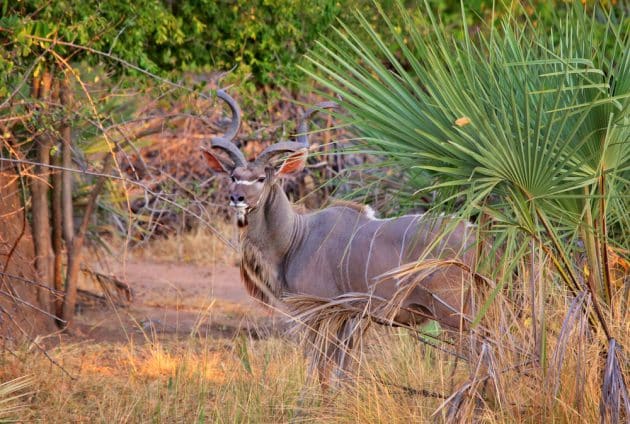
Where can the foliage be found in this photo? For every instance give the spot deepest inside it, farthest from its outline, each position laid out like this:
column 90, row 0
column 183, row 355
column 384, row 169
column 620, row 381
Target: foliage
column 72, row 70
column 201, row 379
column 263, row 38
column 260, row 37
column 523, row 126
column 130, row 31
column 529, row 116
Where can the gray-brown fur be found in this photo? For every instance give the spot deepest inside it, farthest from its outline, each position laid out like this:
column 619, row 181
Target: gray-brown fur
column 260, row 278
column 359, row 207
column 341, row 251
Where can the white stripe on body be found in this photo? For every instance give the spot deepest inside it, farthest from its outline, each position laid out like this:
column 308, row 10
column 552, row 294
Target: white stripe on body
column 367, row 262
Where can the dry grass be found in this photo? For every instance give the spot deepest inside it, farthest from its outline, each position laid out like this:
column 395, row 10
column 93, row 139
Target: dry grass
column 556, row 378
column 199, row 247
column 242, row 380
column 186, row 381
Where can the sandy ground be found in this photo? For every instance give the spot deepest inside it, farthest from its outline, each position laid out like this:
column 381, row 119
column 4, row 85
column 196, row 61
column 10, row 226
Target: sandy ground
column 178, row 300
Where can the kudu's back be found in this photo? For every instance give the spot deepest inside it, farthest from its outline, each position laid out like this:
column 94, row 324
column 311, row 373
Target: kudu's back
column 343, row 251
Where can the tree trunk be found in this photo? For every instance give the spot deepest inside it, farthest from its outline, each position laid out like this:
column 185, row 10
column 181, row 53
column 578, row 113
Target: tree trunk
column 76, row 250
column 16, row 262
column 39, row 190
column 62, row 198
column 57, row 243
column 65, row 95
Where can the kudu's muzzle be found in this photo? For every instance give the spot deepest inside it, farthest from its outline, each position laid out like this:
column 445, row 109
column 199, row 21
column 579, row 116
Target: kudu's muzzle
column 237, row 201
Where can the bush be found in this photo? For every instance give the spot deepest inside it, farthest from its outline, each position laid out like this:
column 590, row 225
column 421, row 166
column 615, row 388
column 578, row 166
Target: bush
column 261, row 37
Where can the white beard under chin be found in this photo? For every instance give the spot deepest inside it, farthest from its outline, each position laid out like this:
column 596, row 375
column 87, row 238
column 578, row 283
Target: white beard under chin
column 241, row 217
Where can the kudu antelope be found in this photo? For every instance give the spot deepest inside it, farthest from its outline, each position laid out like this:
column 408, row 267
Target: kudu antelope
column 339, row 250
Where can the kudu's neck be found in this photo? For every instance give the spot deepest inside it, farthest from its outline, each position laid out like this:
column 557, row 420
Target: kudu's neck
column 273, row 226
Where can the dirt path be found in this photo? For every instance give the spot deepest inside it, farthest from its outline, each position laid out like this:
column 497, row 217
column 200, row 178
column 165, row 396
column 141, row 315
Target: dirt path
column 178, row 300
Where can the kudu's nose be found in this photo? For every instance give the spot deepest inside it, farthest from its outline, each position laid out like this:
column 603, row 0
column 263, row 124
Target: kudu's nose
column 237, row 198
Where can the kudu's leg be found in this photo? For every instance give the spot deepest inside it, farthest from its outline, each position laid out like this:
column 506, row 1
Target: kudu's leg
column 344, row 359
column 338, row 360
column 331, row 361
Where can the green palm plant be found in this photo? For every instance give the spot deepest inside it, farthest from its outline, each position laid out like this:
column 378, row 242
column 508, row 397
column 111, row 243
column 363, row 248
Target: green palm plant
column 530, row 125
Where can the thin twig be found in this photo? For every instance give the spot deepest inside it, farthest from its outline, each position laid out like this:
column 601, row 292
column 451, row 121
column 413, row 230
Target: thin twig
column 37, row 345
column 111, row 57
column 32, row 282
column 26, row 75
column 30, row 305
column 216, row 232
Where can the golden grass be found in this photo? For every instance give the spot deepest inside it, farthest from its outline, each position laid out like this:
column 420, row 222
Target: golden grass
column 190, row 380
column 199, row 247
column 243, row 380
column 11, row 393
column 557, row 378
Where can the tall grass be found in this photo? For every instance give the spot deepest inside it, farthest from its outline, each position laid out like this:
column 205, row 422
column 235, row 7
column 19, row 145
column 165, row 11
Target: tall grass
column 399, row 379
column 197, row 246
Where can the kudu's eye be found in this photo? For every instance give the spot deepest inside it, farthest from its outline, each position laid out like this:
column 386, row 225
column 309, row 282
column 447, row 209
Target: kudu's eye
column 261, row 179
column 233, row 178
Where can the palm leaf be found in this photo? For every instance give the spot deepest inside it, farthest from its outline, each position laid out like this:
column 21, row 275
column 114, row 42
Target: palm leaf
column 546, row 111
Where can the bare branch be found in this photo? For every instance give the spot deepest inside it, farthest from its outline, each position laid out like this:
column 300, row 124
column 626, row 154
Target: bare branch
column 146, row 188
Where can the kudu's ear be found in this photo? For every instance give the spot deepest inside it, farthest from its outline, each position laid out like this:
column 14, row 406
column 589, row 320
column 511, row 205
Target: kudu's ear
column 295, row 162
column 217, row 163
